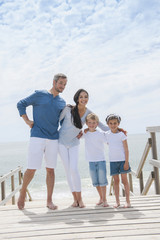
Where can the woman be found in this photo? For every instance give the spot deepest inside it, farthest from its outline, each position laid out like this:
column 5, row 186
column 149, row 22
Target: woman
column 73, row 120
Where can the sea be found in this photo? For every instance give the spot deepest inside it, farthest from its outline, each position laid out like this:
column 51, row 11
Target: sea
column 14, row 154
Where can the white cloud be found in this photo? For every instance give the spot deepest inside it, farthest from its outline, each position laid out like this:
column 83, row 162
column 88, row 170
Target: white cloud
column 111, row 48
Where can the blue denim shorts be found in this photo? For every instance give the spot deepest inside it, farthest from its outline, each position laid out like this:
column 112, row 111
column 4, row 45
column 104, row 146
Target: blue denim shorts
column 118, row 168
column 98, row 173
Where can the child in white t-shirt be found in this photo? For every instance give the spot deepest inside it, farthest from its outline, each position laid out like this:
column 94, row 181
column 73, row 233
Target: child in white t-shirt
column 118, row 157
column 94, row 151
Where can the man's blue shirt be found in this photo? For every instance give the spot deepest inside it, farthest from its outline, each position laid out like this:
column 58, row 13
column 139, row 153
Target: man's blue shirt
column 46, row 112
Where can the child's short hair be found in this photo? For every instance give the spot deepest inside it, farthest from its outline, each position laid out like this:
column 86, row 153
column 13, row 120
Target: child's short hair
column 93, row 117
column 113, row 116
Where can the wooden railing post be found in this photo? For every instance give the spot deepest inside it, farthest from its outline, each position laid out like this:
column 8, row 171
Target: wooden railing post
column 12, row 189
column 3, row 192
column 141, row 183
column 130, row 182
column 4, row 199
column 20, row 177
column 155, row 156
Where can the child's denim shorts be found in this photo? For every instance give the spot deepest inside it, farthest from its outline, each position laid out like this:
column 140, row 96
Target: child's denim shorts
column 118, row 168
column 98, row 173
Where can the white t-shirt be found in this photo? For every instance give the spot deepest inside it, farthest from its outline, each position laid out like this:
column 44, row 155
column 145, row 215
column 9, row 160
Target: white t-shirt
column 68, row 132
column 116, row 149
column 94, row 146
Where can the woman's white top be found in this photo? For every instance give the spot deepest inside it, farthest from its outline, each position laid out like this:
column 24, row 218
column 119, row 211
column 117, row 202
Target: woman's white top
column 116, row 149
column 68, row 132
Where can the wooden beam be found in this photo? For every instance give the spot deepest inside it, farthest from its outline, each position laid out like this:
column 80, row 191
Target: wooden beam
column 8, row 175
column 10, row 196
column 141, row 183
column 144, row 156
column 148, row 183
column 130, row 182
column 3, row 190
column 13, row 188
column 155, row 163
column 133, row 173
column 153, row 129
column 155, row 156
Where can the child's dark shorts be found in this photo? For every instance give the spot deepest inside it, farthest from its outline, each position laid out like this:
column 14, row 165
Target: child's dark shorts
column 118, row 168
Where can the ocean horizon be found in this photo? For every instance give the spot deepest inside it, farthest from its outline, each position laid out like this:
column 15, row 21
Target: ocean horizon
column 14, row 154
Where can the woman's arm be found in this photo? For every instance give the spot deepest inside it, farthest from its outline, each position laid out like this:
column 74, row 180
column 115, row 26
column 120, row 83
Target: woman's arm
column 103, row 127
column 63, row 113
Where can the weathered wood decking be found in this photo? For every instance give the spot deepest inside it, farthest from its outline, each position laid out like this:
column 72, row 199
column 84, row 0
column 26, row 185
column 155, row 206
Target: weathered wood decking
column 36, row 222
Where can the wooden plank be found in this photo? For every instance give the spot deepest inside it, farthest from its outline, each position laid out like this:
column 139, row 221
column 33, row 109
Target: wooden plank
column 3, row 190
column 140, row 223
column 148, row 183
column 61, row 228
column 155, row 163
column 13, row 188
column 133, row 173
column 3, row 202
column 141, row 183
column 155, row 156
column 8, row 175
column 119, row 215
column 85, row 233
column 153, row 129
column 40, row 206
column 144, row 157
column 89, row 202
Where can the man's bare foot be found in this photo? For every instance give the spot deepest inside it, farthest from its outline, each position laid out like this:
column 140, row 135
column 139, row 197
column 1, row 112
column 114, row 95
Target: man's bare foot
column 100, row 202
column 117, row 205
column 21, row 203
column 105, row 204
column 81, row 204
column 75, row 204
column 127, row 205
column 51, row 206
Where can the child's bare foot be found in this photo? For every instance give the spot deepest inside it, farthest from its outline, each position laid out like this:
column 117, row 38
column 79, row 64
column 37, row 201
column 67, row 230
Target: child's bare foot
column 105, row 204
column 127, row 205
column 81, row 204
column 52, row 206
column 117, row 205
column 75, row 204
column 100, row 202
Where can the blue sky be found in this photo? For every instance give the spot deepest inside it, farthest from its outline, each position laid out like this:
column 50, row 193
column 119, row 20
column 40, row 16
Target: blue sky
column 110, row 48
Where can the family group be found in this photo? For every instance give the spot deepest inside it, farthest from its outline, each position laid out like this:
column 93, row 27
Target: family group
column 47, row 139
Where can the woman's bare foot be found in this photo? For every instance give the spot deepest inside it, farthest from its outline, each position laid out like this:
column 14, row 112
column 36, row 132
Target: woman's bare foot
column 105, row 204
column 81, row 204
column 127, row 205
column 100, row 202
column 117, row 205
column 75, row 204
column 52, row 206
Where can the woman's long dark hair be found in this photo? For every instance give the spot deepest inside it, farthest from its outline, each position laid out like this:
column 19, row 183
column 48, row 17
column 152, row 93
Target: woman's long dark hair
column 74, row 110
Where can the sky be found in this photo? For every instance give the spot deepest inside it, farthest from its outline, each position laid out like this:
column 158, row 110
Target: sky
column 111, row 48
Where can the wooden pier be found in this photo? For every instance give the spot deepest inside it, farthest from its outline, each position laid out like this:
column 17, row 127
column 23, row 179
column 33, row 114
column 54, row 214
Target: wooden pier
column 36, row 222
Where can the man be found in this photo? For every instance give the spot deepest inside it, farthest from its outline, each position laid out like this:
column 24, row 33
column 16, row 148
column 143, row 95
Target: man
column 47, row 106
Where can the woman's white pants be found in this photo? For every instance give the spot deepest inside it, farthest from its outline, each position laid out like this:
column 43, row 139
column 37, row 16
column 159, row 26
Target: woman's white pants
column 69, row 156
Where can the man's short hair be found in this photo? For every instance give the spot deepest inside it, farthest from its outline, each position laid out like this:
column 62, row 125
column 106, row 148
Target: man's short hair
column 59, row 75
